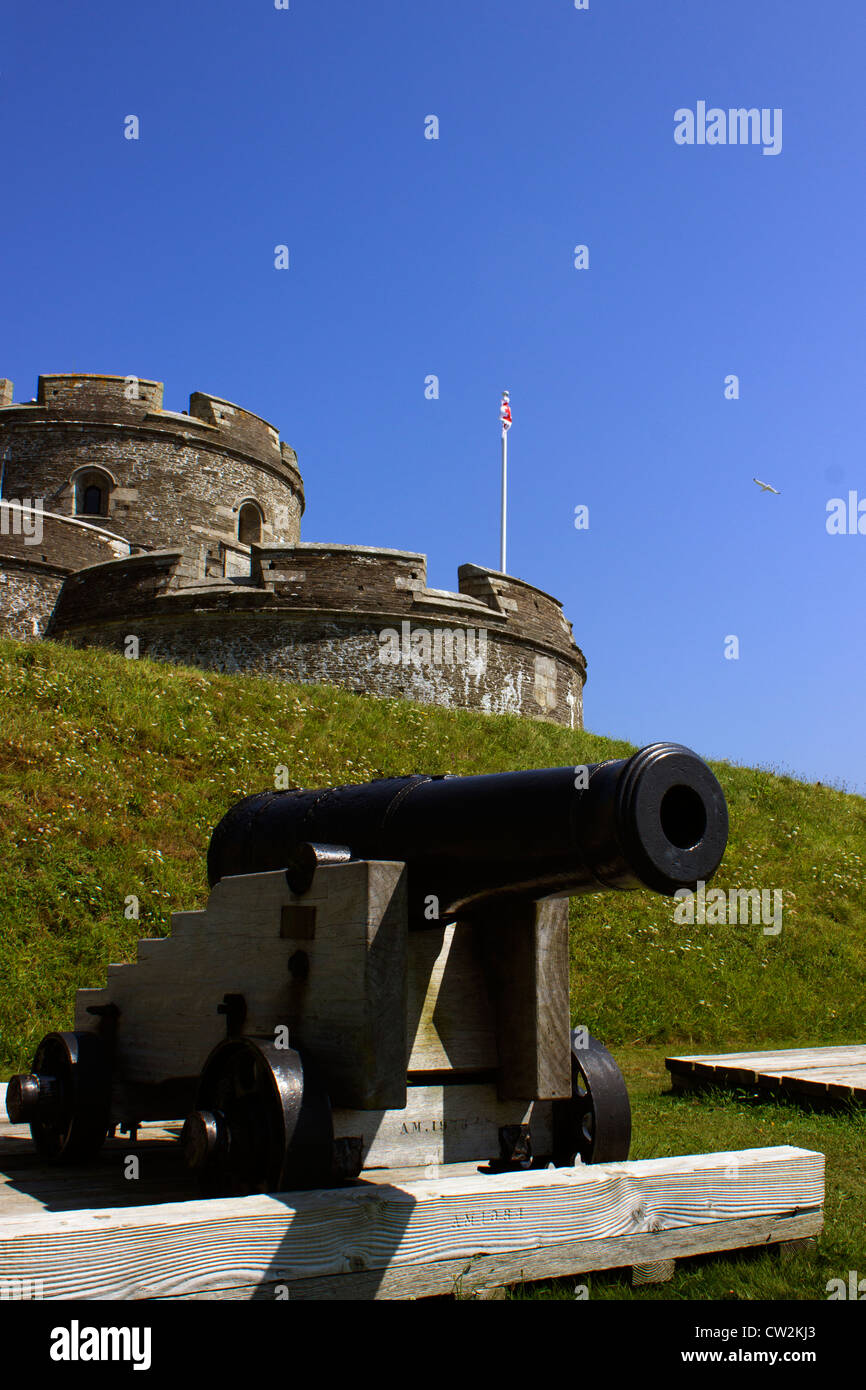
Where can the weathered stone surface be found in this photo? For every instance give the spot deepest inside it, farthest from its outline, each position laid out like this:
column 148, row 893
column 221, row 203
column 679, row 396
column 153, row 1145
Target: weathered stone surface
column 28, row 593
column 37, row 552
column 344, row 650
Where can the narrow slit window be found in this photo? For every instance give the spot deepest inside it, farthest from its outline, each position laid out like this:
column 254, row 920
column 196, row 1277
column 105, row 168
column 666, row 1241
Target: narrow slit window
column 92, row 500
column 92, row 493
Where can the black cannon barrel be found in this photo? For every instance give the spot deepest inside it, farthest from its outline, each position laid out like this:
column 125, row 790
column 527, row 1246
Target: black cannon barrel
column 657, row 819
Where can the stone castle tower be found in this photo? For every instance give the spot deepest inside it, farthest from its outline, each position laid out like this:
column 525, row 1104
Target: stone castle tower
column 120, row 519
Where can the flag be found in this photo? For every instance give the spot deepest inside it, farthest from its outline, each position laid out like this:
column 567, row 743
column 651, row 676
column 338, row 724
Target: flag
column 505, row 412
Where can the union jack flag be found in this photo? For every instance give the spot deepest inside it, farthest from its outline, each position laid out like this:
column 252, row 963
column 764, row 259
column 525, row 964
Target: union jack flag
column 505, row 412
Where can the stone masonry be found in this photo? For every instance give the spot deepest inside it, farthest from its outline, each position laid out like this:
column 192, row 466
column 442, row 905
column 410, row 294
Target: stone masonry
column 183, row 531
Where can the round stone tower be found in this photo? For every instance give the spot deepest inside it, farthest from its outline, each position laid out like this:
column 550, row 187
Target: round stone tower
column 102, row 450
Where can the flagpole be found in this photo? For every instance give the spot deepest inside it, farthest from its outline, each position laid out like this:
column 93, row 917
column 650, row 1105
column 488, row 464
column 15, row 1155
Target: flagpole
column 504, row 499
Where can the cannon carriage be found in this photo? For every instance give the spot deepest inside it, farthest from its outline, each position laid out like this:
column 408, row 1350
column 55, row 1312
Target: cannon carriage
column 380, row 979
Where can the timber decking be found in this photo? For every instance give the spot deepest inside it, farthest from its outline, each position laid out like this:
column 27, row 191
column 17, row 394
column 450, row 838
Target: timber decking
column 829, row 1074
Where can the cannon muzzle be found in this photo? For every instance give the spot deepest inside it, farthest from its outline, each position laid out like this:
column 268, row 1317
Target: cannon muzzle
column 657, row 820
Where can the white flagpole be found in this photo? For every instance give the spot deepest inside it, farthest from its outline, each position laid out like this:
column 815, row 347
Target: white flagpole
column 505, row 413
column 504, row 497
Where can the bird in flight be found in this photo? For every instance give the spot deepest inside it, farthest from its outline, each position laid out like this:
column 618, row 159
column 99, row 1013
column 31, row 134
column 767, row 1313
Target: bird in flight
column 765, row 487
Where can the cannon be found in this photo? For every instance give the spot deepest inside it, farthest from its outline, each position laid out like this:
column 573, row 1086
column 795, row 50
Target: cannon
column 380, row 979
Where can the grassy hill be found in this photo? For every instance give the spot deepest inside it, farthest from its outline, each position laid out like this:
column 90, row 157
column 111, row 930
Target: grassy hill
column 113, row 772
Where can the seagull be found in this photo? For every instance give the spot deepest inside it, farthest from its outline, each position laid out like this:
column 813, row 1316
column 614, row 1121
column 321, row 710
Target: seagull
column 765, row 487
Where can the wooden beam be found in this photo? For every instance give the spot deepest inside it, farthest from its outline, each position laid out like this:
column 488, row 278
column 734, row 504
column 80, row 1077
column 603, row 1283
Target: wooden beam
column 450, row 1019
column 339, row 986
column 444, row 1125
column 526, row 956
column 422, row 1231
column 470, row 1278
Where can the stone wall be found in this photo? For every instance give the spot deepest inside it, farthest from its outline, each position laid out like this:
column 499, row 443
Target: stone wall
column 350, row 616
column 28, row 593
column 37, row 552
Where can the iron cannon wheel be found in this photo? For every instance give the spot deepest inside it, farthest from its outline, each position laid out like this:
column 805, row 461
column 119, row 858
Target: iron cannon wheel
column 66, row 1096
column 262, row 1121
column 595, row 1125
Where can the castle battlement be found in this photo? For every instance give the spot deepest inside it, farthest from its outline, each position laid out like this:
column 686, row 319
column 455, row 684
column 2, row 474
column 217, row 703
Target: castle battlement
column 135, row 403
column 90, row 392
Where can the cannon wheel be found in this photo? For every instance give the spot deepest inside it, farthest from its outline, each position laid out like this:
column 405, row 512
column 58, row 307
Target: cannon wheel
column 595, row 1125
column 65, row 1098
column 262, row 1121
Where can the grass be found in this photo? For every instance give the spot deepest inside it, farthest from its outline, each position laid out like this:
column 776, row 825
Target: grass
column 113, row 773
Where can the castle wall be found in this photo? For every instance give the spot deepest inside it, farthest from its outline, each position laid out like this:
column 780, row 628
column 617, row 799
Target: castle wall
column 355, row 617
column 28, row 593
column 176, row 479
column 336, row 649
column 339, row 575
column 37, row 552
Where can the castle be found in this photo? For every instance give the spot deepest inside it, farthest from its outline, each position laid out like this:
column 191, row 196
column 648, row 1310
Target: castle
column 177, row 536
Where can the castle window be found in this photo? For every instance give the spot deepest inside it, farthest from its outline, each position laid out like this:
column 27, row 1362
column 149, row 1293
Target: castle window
column 250, row 524
column 92, row 492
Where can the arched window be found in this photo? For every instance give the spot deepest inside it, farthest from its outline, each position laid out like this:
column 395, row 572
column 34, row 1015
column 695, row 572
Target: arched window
column 250, row 524
column 92, row 492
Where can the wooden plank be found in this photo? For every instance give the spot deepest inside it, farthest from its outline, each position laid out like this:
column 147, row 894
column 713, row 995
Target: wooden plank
column 658, row 1272
column 816, row 1074
column 450, row 1018
column 468, row 1278
column 177, row 1249
column 821, row 1072
column 786, row 1057
column 526, row 958
column 30, row 1184
column 347, row 1009
column 851, row 1074
column 812, row 1081
column 444, row 1124
column 415, row 1174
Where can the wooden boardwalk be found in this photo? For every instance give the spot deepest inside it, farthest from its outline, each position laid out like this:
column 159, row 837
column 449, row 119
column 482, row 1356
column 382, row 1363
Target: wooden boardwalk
column 116, row 1230
column 822, row 1074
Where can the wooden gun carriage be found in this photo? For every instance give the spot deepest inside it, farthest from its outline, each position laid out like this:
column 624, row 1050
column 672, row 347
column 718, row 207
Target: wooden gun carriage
column 380, row 979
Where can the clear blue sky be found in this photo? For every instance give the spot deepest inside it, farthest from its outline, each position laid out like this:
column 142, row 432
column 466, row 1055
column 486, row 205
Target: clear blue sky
column 411, row 257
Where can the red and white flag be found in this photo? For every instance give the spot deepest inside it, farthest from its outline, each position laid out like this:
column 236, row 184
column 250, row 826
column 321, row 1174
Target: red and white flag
column 505, row 412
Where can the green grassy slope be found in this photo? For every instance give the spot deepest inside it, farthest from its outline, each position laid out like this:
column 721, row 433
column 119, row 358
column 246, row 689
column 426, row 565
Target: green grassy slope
column 113, row 772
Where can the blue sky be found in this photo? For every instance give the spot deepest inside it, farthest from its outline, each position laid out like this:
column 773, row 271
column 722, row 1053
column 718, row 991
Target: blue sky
column 454, row 257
